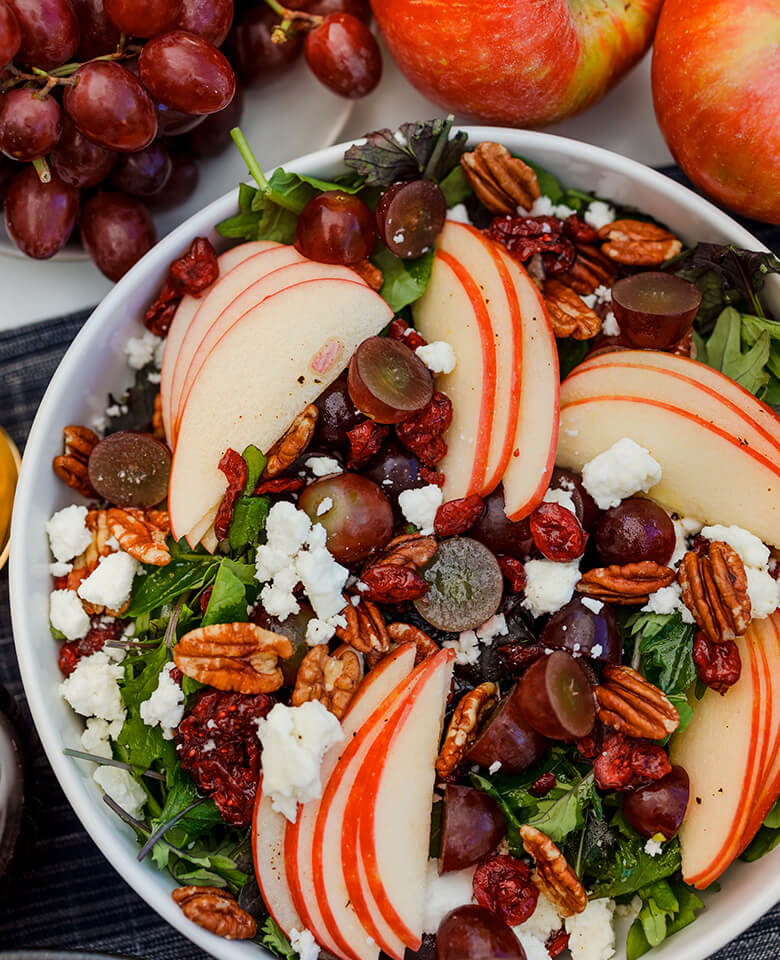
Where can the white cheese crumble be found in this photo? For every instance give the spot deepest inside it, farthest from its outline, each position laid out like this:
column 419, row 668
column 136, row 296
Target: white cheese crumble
column 494, row 767
column 92, row 689
column 617, row 473
column 419, row 506
column 58, row 569
column 549, row 585
column 764, row 592
column 609, row 325
column 542, row 922
column 67, row 615
column 120, row 785
column 668, row 600
column 599, row 214
column 459, row 213
column 294, row 741
column 544, row 207
column 110, row 583
column 95, row 738
column 445, row 892
column 304, row 944
column 322, row 577
column 68, row 534
column 591, row 934
column 324, row 505
column 603, row 294
column 278, row 597
column 320, row 631
column 533, row 947
column 323, row 466
column 438, row 357
column 466, row 648
column 653, row 847
column 750, row 549
column 166, row 705
column 494, row 627
column 142, row 350
column 592, row 605
column 595, row 651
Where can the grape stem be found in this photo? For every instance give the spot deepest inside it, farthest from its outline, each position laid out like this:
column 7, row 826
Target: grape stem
column 254, row 168
column 63, row 75
column 293, row 21
column 42, row 169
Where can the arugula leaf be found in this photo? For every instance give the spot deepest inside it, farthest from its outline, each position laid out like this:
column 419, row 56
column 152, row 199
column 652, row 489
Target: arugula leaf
column 455, row 186
column 767, row 838
column 404, row 280
column 275, row 939
column 549, row 185
column 667, row 906
column 135, row 408
column 570, row 353
column 227, row 603
column 562, row 810
column 192, row 825
column 139, row 687
column 666, row 651
column 255, row 464
column 165, row 584
column 145, row 747
column 629, row 868
column 249, row 516
column 723, row 351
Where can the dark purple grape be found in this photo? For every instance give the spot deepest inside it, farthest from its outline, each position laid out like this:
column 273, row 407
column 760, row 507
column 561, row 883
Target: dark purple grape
column 635, row 530
column 335, row 227
column 394, row 469
column 111, row 107
column 186, row 72
column 30, row 125
column 584, row 505
column 556, row 697
column 77, row 160
column 212, row 137
column 409, row 217
column 472, row 932
column 10, row 34
column 294, row 627
column 472, row 827
column 500, row 534
column 323, row 8
column 40, row 217
column 174, row 123
column 130, row 469
column 181, row 184
column 50, row 31
column 655, row 309
column 507, row 738
column 387, row 381
column 578, row 627
column 8, row 170
column 343, row 54
column 117, row 231
column 465, row 585
column 337, row 415
column 99, row 35
column 210, row 19
column 142, row 18
column 660, row 806
column 145, row 173
column 256, row 59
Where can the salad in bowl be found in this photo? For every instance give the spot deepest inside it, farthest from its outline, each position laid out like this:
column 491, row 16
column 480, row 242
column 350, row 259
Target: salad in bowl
column 419, row 597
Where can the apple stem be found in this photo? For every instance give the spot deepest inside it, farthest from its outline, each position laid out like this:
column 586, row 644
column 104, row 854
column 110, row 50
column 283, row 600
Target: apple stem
column 254, row 168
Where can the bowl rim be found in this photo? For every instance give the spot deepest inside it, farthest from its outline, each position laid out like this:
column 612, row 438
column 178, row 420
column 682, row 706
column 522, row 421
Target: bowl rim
column 103, row 832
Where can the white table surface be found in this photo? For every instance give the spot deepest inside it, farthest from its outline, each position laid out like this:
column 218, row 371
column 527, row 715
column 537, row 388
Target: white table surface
column 623, row 121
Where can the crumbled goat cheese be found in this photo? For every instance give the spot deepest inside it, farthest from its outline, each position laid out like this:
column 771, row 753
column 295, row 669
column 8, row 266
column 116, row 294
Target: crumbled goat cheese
column 653, row 847
column 603, row 294
column 92, row 688
column 542, row 922
column 544, row 207
column 591, row 934
column 630, row 910
column 277, row 596
column 466, row 648
column 593, row 605
column 58, row 569
column 609, row 325
column 95, row 738
column 764, row 592
column 595, row 651
column 617, row 473
column 599, row 214
column 668, row 600
column 419, row 506
column 459, row 213
column 323, row 466
column 304, row 944
column 495, row 766
column 68, row 534
column 142, row 350
column 324, row 505
column 750, row 549
column 445, row 892
column 549, row 585
column 67, row 615
column 533, row 947
column 166, row 705
column 494, row 627
column 294, row 741
column 438, row 357
column 684, row 527
column 589, row 299
column 120, row 785
column 323, row 578
column 209, row 745
column 286, row 531
column 320, row 631
column 110, row 583
column 561, row 497
column 154, row 377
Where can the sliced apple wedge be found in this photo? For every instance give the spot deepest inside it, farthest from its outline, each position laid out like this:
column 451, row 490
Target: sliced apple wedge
column 268, row 828
column 480, row 257
column 707, row 473
column 277, row 359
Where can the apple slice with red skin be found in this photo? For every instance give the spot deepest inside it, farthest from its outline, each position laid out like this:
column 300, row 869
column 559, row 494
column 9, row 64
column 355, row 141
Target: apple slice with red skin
column 530, row 467
column 452, row 309
column 201, row 528
column 481, row 258
column 183, row 317
column 268, row 829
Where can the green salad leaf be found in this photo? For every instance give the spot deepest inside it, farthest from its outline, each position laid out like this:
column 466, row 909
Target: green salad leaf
column 276, row 940
column 161, row 585
column 227, row 603
column 724, row 351
column 404, row 280
column 667, row 906
column 665, row 650
column 629, row 868
column 455, row 186
column 767, row 838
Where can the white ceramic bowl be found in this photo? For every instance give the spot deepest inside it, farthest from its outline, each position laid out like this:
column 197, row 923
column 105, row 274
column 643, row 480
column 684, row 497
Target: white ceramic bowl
column 95, row 364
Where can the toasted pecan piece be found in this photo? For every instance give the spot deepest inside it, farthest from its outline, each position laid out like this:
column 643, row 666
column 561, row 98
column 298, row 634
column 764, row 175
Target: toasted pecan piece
column 553, row 875
column 464, row 727
column 215, row 910
column 714, row 588
column 501, row 182
column 629, row 703
column 333, row 680
column 627, row 585
column 638, row 244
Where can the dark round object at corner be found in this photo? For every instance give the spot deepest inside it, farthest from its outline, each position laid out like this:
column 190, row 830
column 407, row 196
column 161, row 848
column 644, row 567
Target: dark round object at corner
column 472, row 827
column 212, row 137
column 99, row 35
column 578, row 628
column 49, row 29
column 636, row 529
column 186, row 72
column 256, row 59
column 506, row 737
column 344, row 56
column 12, row 767
column 181, row 184
column 40, row 217
column 142, row 18
column 472, row 932
column 29, row 125
column 130, row 469
column 660, row 806
column 117, row 231
column 584, row 504
column 500, row 534
column 10, row 34
column 145, row 173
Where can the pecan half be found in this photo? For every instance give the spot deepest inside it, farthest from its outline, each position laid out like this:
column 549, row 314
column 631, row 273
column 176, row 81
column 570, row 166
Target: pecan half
column 553, row 875
column 425, row 646
column 292, row 443
column 237, row 657
column 71, row 466
column 365, row 629
column 217, row 911
column 629, row 703
column 714, row 589
column 638, row 244
column 368, row 272
column 630, row 584
column 501, row 182
column 332, row 680
column 86, row 563
column 464, row 727
column 590, row 269
column 569, row 314
column 407, row 550
column 141, row 533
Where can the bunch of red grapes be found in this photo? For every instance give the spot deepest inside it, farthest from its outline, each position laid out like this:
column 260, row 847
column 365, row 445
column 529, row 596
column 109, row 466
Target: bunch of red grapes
column 107, row 105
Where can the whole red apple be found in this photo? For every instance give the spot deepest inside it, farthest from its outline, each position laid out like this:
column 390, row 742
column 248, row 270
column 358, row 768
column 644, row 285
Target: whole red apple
column 716, row 88
column 516, row 62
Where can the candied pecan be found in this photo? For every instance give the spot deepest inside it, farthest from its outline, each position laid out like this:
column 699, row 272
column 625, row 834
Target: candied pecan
column 464, row 727
column 590, row 269
column 195, row 270
column 630, row 584
column 407, row 550
column 71, row 466
column 557, row 533
column 425, row 646
column 501, row 182
column 237, row 657
column 553, row 876
column 524, row 237
column 569, row 315
column 101, row 630
column 158, row 428
column 368, row 272
column 557, row 942
column 399, row 329
column 365, row 629
column 279, row 485
column 332, row 680
column 364, row 441
column 421, row 433
column 542, row 785
column 292, row 443
column 234, row 467
column 514, row 571
column 390, row 583
column 718, row 665
column 456, row 516
column 623, row 762
column 629, row 703
column 217, row 911
column 714, row 589
column 141, row 533
column 504, row 885
column 517, row 657
column 638, row 244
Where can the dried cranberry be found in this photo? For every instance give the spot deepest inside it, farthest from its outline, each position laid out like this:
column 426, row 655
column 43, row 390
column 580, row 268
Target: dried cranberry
column 557, row 942
column 518, row 657
column 719, row 665
column 101, row 630
column 159, row 314
column 625, row 763
column 422, row 433
column 432, row 475
column 456, row 516
column 279, row 485
column 579, row 231
column 197, row 269
column 400, row 330
column 205, row 597
column 514, row 571
column 388, row 583
column 234, row 467
column 526, row 236
column 557, row 533
column 504, row 885
column 542, row 785
column 364, row 441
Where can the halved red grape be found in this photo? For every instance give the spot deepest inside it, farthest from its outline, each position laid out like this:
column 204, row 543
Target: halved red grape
column 635, row 530
column 30, row 125
column 655, row 309
column 257, row 60
column 465, row 586
column 556, row 697
column 50, row 31
column 142, row 18
column 472, row 932
column 472, row 827
column 212, row 136
column 187, row 72
column 387, row 381
column 500, row 534
column 356, row 515
column 508, row 739
column 335, row 227
column 130, row 469
column 210, row 19
column 579, row 628
column 99, row 35
column 410, row 216
column 117, row 231
column 660, row 806
column 10, row 34
column 40, row 217
column 294, row 627
column 343, row 54
column 77, row 160
column 181, row 184
column 144, row 173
